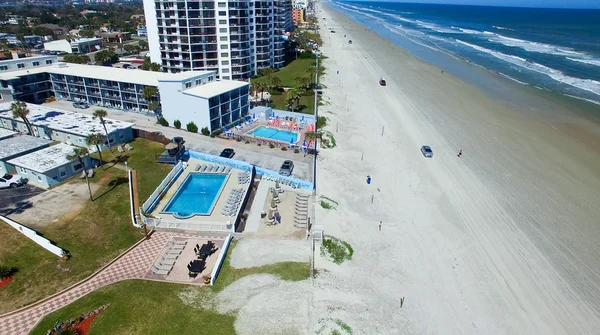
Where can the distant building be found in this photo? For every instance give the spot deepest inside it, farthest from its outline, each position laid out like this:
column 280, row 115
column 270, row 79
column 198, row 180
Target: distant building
column 14, row 19
column 56, row 30
column 301, row 4
column 32, row 40
column 30, row 85
column 142, row 31
column 298, row 16
column 15, row 146
column 78, row 45
column 116, row 37
column 5, row 133
column 10, row 38
column 50, row 166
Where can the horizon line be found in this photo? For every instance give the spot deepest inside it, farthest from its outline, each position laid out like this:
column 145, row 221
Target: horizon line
column 468, row 5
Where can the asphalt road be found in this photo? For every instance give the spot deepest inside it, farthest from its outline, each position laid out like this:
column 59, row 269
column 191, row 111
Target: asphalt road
column 14, row 200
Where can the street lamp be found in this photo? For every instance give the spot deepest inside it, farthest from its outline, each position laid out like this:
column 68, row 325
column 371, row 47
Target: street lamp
column 317, row 55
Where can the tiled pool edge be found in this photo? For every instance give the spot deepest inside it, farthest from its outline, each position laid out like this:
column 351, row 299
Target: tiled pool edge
column 180, row 189
column 297, row 133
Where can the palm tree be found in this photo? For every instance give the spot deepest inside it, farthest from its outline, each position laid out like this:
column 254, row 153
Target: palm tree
column 78, row 154
column 101, row 114
column 311, row 71
column 19, row 110
column 260, row 87
column 149, row 92
column 96, row 140
column 276, row 82
column 292, row 98
column 300, row 81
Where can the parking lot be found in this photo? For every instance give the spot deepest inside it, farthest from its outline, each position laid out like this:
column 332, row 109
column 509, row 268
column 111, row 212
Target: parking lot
column 14, row 200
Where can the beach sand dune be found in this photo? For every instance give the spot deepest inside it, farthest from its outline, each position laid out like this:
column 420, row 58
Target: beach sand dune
column 503, row 240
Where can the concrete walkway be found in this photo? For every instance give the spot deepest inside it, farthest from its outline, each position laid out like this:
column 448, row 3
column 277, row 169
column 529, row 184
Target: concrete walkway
column 131, row 265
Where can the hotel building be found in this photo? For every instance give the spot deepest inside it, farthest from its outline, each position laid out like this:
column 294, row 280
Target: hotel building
column 233, row 38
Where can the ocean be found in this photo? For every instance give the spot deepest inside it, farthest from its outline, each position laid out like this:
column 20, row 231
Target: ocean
column 555, row 50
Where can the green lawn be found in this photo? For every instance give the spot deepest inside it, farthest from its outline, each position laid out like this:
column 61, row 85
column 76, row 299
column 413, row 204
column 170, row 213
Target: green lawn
column 297, row 68
column 147, row 307
column 306, row 105
column 96, row 235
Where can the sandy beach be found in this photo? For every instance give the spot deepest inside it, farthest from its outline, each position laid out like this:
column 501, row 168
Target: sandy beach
column 503, row 240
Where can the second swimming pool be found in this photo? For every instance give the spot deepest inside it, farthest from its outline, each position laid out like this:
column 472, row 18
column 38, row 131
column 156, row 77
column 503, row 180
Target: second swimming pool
column 270, row 133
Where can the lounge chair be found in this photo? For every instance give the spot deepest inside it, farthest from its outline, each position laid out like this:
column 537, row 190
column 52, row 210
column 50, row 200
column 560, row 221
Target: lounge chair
column 173, row 252
column 128, row 147
column 179, row 242
column 228, row 169
column 170, row 257
column 169, row 262
column 83, row 174
column 162, row 267
column 161, row 272
column 120, row 148
column 198, row 167
column 204, row 167
column 90, row 173
column 176, row 247
column 222, row 169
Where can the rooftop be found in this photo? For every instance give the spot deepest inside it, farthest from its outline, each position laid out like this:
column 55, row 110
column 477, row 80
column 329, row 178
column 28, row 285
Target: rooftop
column 140, row 77
column 13, row 146
column 5, row 133
column 64, row 121
column 215, row 88
column 45, row 159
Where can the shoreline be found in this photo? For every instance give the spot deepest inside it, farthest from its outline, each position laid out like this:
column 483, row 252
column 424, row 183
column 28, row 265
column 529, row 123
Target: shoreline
column 501, row 240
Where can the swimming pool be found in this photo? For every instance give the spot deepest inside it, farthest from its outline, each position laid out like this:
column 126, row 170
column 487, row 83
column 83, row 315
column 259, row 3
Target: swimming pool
column 275, row 134
column 196, row 195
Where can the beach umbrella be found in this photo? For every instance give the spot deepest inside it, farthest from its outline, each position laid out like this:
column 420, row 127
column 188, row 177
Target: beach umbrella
column 254, row 115
column 239, row 122
column 302, row 119
column 226, row 130
column 304, row 144
column 292, row 141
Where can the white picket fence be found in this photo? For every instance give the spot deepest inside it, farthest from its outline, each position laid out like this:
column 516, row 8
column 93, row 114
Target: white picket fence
column 162, row 187
column 225, row 227
column 33, row 235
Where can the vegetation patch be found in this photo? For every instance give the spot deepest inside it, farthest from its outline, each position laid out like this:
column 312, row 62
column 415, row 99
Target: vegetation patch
column 336, row 250
column 347, row 329
column 328, row 203
column 94, row 236
column 79, row 325
column 327, row 140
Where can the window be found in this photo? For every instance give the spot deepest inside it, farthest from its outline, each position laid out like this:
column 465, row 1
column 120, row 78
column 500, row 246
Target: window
column 36, row 63
column 188, row 84
column 1, row 97
column 225, row 62
column 22, row 170
column 39, row 178
column 198, row 82
column 224, row 47
column 3, row 68
column 21, row 66
column 223, row 38
column 76, row 167
column 49, row 61
column 222, row 13
column 226, row 77
column 222, row 21
column 68, row 137
column 223, row 30
column 225, row 70
column 222, row 4
column 224, row 54
column 80, row 140
column 121, row 136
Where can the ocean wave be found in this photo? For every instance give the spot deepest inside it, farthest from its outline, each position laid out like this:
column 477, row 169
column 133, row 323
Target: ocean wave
column 513, row 79
column 580, row 98
column 400, row 18
column 583, row 84
column 435, row 27
column 534, row 46
column 502, row 28
column 412, row 35
column 586, row 61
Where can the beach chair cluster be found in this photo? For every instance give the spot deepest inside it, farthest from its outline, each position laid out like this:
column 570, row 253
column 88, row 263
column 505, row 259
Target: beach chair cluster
column 165, row 263
column 89, row 174
column 301, row 210
column 234, row 201
column 243, row 178
column 127, row 146
column 284, row 124
column 210, row 168
column 282, row 181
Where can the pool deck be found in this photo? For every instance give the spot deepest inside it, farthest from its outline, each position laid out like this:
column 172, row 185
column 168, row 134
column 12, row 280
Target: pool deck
column 215, row 216
column 249, row 128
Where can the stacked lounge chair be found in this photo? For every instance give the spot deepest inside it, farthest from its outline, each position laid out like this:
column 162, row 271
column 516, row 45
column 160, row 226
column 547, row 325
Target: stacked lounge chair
column 301, row 210
column 243, row 178
column 164, row 264
column 233, row 202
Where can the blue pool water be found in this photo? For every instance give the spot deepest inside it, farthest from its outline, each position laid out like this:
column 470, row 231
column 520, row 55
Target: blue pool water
column 275, row 134
column 196, row 195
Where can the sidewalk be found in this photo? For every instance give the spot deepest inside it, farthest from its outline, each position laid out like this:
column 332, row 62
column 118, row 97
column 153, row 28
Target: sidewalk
column 260, row 156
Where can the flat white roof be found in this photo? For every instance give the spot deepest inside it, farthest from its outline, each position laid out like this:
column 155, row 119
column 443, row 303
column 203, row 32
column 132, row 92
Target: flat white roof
column 215, row 88
column 64, row 121
column 45, row 159
column 140, row 77
column 15, row 145
column 5, row 133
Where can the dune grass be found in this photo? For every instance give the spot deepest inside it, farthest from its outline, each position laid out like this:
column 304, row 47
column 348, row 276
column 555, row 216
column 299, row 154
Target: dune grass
column 337, row 250
column 96, row 235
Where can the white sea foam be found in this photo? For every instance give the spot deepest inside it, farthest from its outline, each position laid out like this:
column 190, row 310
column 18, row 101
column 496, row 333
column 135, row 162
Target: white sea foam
column 400, row 18
column 586, row 61
column 580, row 98
column 534, row 46
column 584, row 84
column 513, row 79
column 409, row 34
column 436, row 27
column 502, row 28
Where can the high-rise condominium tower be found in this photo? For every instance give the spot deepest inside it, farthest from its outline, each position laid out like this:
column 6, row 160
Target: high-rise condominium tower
column 235, row 37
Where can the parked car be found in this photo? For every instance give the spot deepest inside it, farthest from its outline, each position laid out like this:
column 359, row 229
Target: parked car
column 286, row 168
column 8, row 180
column 81, row 105
column 227, row 153
column 426, row 151
column 382, row 82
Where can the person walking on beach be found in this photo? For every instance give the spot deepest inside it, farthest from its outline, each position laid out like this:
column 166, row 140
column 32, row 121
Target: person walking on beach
column 379, row 225
column 459, row 153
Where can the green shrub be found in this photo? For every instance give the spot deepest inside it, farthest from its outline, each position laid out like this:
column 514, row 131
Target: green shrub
column 306, row 55
column 163, row 122
column 192, row 127
column 321, row 122
column 271, row 145
column 217, row 132
column 283, row 148
column 177, row 124
column 205, row 131
column 338, row 250
column 296, row 151
column 6, row 271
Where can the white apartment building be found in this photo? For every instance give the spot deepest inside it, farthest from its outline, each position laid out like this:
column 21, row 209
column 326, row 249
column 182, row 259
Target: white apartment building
column 300, row 4
column 235, row 38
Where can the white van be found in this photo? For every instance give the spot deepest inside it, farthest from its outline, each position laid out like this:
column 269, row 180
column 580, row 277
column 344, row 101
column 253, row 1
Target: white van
column 8, row 180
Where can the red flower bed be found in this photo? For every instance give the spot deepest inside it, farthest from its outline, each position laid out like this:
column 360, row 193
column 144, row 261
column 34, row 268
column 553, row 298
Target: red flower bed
column 84, row 326
column 5, row 281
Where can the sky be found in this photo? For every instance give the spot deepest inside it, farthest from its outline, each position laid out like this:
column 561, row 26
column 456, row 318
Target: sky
column 511, row 3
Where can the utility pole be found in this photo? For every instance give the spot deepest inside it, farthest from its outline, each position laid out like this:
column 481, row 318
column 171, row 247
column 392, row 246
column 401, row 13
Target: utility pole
column 317, row 55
